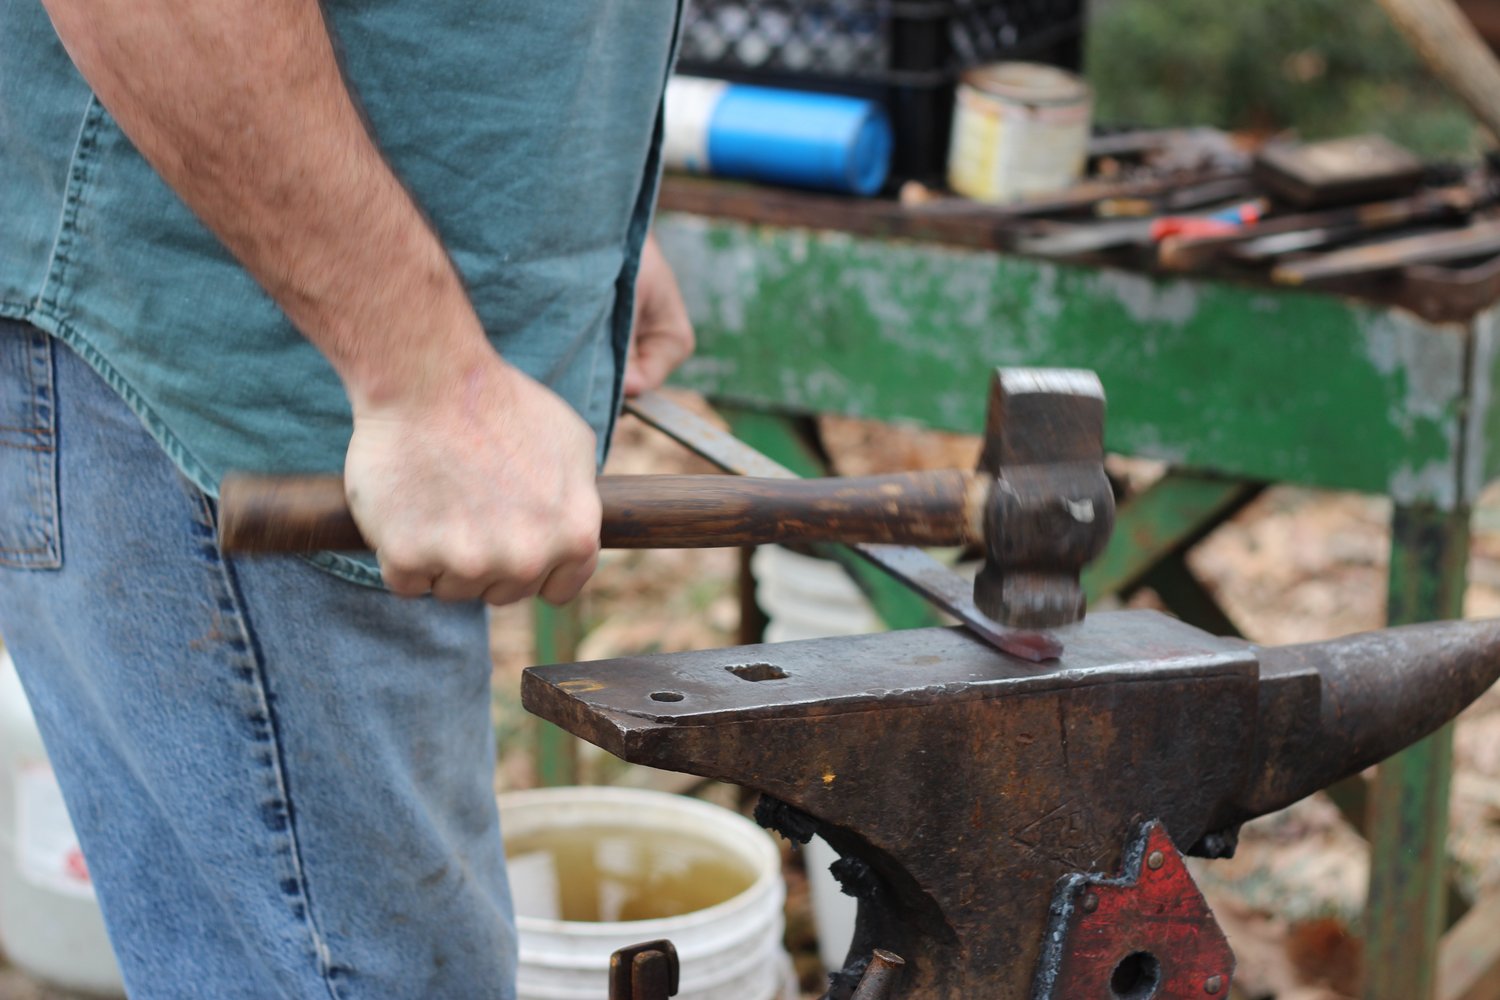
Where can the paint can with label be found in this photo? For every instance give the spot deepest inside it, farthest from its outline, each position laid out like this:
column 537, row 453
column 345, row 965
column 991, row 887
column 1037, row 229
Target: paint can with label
column 1018, row 129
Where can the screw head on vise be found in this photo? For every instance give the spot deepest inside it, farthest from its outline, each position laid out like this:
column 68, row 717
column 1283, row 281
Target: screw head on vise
column 1051, row 506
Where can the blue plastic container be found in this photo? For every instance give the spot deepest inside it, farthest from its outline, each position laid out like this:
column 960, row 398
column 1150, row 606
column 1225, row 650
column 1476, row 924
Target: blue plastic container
column 822, row 141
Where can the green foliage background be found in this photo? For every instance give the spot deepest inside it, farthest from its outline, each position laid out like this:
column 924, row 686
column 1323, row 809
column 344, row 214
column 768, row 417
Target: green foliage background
column 1321, row 67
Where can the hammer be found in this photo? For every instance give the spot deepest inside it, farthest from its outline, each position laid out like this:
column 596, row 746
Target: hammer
column 1039, row 506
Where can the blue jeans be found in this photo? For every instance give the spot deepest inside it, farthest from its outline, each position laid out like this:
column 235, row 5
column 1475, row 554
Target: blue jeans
column 282, row 781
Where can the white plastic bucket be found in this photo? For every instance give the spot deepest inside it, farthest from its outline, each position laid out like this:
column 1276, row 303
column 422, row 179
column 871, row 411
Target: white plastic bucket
column 50, row 924
column 808, row 598
column 804, row 597
column 834, row 912
column 730, row 951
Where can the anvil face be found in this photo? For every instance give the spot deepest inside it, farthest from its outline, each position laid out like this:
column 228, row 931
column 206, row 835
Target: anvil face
column 967, row 782
column 856, row 673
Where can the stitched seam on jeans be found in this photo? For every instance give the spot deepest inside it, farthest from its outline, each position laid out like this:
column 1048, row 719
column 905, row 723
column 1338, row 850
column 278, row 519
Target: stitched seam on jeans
column 255, row 658
column 41, row 483
column 51, row 490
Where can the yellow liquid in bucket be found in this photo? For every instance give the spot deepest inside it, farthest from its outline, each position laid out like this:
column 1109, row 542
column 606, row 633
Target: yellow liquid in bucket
column 599, row 874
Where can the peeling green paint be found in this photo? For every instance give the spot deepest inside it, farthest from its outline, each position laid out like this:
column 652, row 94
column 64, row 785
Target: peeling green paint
column 1290, row 387
column 1165, row 519
column 1483, row 458
column 1408, row 805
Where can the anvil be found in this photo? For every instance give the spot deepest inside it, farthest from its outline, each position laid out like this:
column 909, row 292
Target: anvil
column 983, row 806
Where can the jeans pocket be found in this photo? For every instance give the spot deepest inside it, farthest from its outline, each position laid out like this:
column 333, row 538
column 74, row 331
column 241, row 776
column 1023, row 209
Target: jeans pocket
column 29, row 536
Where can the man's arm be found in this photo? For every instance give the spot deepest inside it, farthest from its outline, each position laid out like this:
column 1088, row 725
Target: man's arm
column 468, row 477
column 662, row 333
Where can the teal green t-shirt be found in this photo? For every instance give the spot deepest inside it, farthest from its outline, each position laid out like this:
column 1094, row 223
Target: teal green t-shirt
column 526, row 129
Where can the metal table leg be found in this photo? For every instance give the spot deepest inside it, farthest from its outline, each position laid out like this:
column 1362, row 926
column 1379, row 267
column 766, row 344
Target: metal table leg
column 1408, row 811
column 557, row 633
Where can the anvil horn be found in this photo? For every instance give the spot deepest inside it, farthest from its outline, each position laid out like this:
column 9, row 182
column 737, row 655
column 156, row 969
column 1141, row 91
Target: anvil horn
column 1379, row 693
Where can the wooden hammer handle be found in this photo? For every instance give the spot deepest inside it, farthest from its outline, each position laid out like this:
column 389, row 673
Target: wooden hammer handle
column 309, row 513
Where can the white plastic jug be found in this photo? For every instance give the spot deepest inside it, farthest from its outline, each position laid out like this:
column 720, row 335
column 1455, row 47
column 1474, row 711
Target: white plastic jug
column 804, row 597
column 50, row 925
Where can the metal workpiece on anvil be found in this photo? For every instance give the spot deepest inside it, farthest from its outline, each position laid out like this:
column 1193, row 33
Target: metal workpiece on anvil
column 960, row 785
column 1049, row 506
column 1039, row 508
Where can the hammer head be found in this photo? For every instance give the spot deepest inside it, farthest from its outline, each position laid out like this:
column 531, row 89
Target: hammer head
column 1051, row 507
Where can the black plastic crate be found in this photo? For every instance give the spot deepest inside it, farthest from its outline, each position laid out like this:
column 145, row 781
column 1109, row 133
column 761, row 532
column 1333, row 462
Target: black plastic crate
column 905, row 54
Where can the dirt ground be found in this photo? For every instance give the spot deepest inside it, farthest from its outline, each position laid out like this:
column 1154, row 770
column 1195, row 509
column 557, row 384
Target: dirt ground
column 1295, row 566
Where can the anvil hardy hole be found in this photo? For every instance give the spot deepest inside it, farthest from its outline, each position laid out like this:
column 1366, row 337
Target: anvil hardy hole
column 666, row 695
column 1136, row 977
column 758, row 672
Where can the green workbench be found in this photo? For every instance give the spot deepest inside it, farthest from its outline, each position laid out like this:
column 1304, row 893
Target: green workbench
column 809, row 305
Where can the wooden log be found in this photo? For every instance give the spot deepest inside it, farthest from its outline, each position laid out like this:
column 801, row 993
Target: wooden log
column 1469, row 963
column 1485, row 15
column 1448, row 43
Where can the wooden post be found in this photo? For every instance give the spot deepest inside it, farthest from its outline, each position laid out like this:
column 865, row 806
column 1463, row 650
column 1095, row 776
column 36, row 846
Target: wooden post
column 1447, row 42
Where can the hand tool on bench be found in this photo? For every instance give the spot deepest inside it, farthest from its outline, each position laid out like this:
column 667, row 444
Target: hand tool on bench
column 1040, row 506
column 1178, row 190
column 1015, row 832
column 1348, row 169
column 1075, row 239
column 1312, row 230
column 1477, row 240
column 1442, row 293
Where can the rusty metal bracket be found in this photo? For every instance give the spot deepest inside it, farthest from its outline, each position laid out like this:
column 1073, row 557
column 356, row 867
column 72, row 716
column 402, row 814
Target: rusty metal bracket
column 1147, row 933
column 647, row 971
column 881, row 977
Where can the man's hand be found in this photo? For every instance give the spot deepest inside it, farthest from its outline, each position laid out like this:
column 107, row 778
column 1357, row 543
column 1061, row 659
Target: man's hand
column 486, row 490
column 469, row 478
column 662, row 337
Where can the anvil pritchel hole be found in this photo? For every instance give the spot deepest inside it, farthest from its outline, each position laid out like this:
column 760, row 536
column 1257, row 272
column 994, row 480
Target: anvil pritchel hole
column 666, row 695
column 758, row 672
column 1136, row 977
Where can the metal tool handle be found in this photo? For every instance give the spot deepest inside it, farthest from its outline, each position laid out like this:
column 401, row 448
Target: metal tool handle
column 310, row 513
